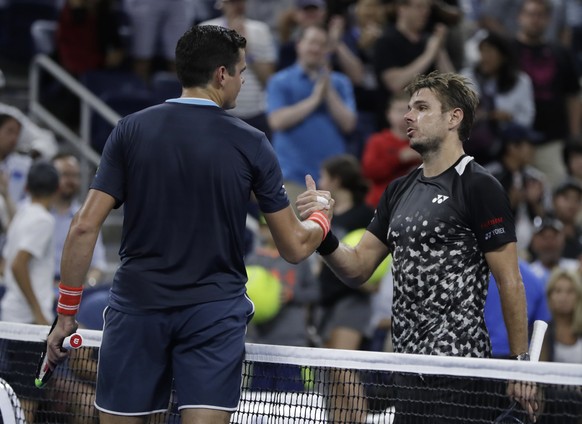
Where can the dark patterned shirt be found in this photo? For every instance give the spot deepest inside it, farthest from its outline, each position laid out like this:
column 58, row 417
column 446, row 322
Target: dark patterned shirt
column 438, row 230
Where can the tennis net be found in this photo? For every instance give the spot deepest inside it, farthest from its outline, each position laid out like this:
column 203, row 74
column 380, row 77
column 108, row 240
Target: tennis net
column 308, row 385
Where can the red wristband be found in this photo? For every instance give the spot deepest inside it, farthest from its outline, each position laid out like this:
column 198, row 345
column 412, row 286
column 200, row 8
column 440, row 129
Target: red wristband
column 69, row 299
column 322, row 220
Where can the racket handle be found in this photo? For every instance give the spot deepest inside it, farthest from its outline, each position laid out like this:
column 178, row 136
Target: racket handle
column 74, row 341
column 537, row 340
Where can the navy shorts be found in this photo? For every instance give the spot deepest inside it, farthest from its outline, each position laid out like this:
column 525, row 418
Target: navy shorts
column 200, row 348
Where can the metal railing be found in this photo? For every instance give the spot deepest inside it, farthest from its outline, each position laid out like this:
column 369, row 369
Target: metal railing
column 89, row 103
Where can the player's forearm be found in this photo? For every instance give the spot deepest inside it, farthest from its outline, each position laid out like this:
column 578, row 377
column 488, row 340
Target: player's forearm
column 306, row 236
column 77, row 254
column 513, row 303
column 346, row 265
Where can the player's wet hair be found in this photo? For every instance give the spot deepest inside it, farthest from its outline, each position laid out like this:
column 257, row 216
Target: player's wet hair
column 204, row 48
column 453, row 91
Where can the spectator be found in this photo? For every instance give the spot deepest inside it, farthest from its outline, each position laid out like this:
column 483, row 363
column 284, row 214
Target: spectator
column 556, row 87
column 29, row 256
column 388, row 154
column 572, row 156
column 537, row 309
column 547, row 247
column 156, row 23
column 345, row 312
column 260, row 59
column 567, row 204
column 34, row 140
column 352, row 43
column 300, row 291
column 563, row 341
column 310, row 110
column 406, row 50
column 65, row 206
column 501, row 17
column 13, row 168
column 505, row 94
column 289, row 327
column 291, row 24
column 527, row 188
column 88, row 36
column 269, row 11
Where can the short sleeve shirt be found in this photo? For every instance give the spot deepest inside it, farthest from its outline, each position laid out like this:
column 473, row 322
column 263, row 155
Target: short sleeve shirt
column 438, row 230
column 184, row 172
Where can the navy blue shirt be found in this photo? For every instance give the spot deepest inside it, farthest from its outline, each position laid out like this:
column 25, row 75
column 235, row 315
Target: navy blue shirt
column 184, row 171
column 438, row 230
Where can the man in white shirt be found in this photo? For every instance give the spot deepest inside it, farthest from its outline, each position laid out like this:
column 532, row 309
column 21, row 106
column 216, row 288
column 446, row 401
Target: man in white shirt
column 261, row 57
column 65, row 206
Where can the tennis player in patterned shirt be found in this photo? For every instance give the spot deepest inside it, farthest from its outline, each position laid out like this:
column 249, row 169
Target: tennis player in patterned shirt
column 446, row 224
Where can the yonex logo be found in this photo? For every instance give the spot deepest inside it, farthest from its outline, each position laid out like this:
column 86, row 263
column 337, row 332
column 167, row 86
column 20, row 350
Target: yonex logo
column 440, row 198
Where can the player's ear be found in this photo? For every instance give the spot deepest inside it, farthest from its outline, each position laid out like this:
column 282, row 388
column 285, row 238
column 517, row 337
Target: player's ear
column 220, row 75
column 455, row 117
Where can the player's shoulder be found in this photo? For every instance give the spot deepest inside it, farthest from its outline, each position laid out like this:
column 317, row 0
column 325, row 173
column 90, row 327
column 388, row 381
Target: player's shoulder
column 474, row 175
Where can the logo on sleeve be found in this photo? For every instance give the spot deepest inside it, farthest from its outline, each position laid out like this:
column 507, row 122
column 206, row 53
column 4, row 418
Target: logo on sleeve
column 440, row 198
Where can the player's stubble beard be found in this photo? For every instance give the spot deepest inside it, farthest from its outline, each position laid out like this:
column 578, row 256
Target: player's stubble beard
column 427, row 147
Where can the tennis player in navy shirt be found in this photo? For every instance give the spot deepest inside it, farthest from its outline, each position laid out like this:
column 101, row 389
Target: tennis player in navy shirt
column 447, row 224
column 184, row 171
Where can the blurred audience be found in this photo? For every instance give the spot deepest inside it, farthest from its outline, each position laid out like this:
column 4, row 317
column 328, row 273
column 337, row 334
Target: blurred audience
column 88, row 36
column 352, row 44
column 345, row 313
column 388, row 154
column 405, row 49
column 502, row 16
column 556, row 87
column 567, row 205
column 311, row 111
column 66, row 204
column 527, row 188
column 537, row 309
column 505, row 94
column 156, row 27
column 547, row 248
column 292, row 23
column 563, row 340
column 260, row 59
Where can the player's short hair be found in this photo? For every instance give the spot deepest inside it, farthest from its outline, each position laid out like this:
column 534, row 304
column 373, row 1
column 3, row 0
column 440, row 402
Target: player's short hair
column 204, row 48
column 42, row 179
column 453, row 91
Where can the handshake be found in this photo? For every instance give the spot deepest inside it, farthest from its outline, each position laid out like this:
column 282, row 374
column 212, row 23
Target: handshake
column 313, row 200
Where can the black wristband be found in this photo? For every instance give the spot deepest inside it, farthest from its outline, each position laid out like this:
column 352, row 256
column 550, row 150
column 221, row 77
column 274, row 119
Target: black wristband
column 329, row 244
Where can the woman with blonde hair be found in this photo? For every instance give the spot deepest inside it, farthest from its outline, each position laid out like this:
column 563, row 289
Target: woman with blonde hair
column 563, row 341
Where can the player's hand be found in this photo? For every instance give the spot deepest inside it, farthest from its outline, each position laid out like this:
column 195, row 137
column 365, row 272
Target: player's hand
column 66, row 325
column 313, row 200
column 528, row 396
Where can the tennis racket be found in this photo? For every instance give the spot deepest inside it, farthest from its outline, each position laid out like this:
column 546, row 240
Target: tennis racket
column 44, row 370
column 535, row 349
column 10, row 409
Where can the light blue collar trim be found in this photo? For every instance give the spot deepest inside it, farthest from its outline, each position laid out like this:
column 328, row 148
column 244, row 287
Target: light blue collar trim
column 193, row 101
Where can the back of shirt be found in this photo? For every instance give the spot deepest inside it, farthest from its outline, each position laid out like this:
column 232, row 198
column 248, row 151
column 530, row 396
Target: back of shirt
column 184, row 171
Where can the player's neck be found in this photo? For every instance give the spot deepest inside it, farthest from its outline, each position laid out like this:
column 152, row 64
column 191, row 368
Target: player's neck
column 202, row 93
column 437, row 162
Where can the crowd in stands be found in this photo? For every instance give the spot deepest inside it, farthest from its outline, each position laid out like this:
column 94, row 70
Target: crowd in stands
column 324, row 81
